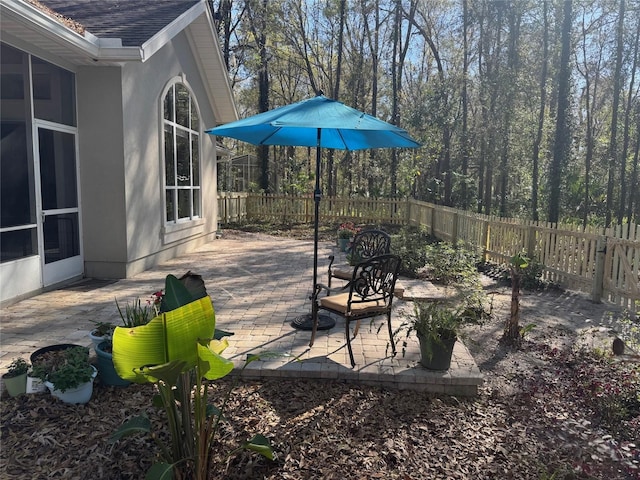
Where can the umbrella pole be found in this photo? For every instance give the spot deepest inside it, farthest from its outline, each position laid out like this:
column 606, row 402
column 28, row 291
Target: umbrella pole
column 305, row 322
column 317, row 196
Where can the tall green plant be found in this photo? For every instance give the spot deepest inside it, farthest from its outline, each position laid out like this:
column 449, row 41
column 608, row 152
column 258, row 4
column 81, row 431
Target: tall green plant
column 176, row 351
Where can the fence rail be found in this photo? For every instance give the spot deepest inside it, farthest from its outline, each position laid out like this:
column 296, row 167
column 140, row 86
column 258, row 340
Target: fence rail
column 603, row 262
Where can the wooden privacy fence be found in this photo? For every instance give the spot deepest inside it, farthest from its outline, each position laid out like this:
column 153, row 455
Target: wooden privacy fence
column 300, row 209
column 605, row 263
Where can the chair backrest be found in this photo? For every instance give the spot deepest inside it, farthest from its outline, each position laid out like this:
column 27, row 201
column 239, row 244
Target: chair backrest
column 374, row 279
column 370, row 243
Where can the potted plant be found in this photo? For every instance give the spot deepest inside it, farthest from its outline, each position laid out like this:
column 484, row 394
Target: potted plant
column 137, row 313
column 133, row 315
column 66, row 372
column 102, row 331
column 437, row 327
column 179, row 352
column 346, row 231
column 15, row 379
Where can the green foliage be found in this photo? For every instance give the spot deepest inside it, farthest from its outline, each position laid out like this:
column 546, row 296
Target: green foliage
column 191, row 421
column 177, row 294
column 353, row 258
column 449, row 264
column 17, row 367
column 347, row 230
column 103, row 329
column 530, row 270
column 527, row 329
column 410, row 243
column 136, row 314
column 436, row 321
column 65, row 369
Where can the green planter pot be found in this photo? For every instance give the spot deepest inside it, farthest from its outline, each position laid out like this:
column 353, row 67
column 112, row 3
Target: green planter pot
column 436, row 355
column 343, row 243
column 15, row 385
column 108, row 374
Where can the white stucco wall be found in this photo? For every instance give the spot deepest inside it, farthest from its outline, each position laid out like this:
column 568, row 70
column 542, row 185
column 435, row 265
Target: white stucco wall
column 101, row 155
column 142, row 87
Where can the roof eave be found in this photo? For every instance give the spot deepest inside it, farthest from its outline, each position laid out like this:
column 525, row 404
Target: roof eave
column 90, row 46
column 224, row 77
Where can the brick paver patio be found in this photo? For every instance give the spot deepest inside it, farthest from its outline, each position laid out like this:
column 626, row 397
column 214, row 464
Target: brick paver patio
column 258, row 285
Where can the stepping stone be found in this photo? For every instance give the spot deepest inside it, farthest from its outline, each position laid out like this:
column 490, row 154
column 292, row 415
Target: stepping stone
column 413, row 290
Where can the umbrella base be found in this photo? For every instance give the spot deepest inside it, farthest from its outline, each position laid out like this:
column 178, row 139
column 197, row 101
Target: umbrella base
column 305, row 322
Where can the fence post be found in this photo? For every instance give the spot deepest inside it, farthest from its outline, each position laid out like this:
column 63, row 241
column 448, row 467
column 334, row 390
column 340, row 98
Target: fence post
column 454, row 229
column 531, row 241
column 433, row 221
column 485, row 240
column 598, row 280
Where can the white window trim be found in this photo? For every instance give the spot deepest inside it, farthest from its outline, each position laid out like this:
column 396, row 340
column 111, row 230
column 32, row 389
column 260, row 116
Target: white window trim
column 182, row 228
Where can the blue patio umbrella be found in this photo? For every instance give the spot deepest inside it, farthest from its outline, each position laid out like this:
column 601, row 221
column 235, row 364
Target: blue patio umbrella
column 322, row 123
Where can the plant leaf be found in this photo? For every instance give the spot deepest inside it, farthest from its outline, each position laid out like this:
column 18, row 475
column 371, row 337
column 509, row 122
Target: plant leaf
column 176, row 294
column 212, row 365
column 212, row 410
column 160, row 471
column 186, row 326
column 138, row 346
column 167, row 372
column 260, row 444
column 140, row 424
column 219, row 334
column 156, row 401
column 170, row 336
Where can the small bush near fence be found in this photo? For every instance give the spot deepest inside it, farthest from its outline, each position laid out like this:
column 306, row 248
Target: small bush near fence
column 448, row 264
column 411, row 243
column 531, row 276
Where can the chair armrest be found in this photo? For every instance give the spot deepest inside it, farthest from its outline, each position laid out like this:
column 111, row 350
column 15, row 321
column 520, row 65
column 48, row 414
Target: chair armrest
column 322, row 286
column 331, row 259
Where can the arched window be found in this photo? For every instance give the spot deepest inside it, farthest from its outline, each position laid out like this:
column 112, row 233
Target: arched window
column 181, row 155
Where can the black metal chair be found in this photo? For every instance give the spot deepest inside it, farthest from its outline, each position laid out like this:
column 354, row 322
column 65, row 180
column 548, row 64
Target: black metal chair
column 368, row 294
column 366, row 244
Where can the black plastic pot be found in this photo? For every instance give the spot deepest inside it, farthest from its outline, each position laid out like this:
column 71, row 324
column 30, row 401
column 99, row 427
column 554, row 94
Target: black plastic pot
column 50, row 348
column 437, row 354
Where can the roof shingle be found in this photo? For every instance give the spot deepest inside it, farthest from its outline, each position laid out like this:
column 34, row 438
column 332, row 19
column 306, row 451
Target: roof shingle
column 133, row 21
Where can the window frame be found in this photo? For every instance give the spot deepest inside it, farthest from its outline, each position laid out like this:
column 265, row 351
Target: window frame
column 179, row 227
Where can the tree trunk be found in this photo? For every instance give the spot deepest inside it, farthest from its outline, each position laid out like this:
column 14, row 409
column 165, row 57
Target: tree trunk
column 535, row 180
column 613, row 141
column 562, row 141
column 627, row 122
column 634, row 196
column 512, row 327
column 331, row 170
column 374, row 46
column 464, row 193
column 258, row 25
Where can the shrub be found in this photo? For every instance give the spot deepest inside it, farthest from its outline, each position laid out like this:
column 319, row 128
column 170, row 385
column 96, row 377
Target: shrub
column 531, row 275
column 410, row 244
column 449, row 264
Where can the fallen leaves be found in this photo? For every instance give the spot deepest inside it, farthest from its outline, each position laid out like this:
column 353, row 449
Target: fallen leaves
column 524, row 425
